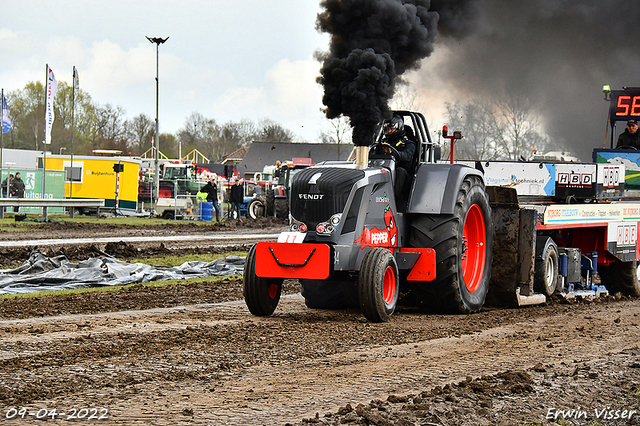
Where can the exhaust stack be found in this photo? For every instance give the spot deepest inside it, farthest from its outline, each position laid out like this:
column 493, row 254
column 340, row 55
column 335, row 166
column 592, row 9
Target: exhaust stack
column 362, row 157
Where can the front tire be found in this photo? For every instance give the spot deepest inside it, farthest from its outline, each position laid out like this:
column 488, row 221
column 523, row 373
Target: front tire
column 256, row 208
column 378, row 285
column 463, row 244
column 260, row 294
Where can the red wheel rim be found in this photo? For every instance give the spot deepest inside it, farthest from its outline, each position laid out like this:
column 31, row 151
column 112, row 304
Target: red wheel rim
column 389, row 285
column 272, row 290
column 474, row 250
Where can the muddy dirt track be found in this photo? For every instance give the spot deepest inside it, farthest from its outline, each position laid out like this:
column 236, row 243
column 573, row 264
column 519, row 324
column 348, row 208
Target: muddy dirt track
column 193, row 355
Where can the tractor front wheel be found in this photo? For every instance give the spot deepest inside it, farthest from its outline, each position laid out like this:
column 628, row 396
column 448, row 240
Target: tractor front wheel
column 260, row 294
column 378, row 285
column 256, row 208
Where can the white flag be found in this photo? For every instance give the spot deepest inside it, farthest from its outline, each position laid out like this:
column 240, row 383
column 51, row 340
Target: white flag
column 52, row 86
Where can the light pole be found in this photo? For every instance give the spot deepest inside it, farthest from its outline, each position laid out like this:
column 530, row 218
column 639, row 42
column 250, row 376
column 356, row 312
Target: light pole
column 156, row 178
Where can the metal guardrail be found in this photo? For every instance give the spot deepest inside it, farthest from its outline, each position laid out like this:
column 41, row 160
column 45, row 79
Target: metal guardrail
column 50, row 202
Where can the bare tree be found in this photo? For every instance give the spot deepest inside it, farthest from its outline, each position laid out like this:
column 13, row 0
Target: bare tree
column 479, row 126
column 274, row 132
column 140, row 130
column 520, row 127
column 505, row 129
column 337, row 132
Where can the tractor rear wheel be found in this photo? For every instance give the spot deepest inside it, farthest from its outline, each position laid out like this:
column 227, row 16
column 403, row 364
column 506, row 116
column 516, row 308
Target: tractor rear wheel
column 282, row 208
column 621, row 277
column 463, row 243
column 378, row 285
column 270, row 201
column 260, row 294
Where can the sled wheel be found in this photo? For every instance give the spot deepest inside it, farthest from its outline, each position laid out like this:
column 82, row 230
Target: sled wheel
column 378, row 285
column 256, row 208
column 546, row 268
column 463, row 242
column 260, row 294
column 621, row 277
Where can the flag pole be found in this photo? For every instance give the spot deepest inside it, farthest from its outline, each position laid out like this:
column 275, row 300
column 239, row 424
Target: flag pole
column 73, row 110
column 44, row 142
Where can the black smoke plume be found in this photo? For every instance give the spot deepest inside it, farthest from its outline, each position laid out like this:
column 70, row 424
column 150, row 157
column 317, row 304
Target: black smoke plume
column 558, row 53
column 373, row 42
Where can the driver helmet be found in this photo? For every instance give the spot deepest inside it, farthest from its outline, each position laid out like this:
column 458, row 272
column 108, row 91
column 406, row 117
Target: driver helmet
column 394, row 127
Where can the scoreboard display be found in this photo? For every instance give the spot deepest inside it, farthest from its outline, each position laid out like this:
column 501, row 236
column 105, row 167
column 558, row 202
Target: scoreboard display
column 625, row 105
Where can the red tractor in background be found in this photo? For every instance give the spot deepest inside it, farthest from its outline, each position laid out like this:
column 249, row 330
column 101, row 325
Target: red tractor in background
column 275, row 201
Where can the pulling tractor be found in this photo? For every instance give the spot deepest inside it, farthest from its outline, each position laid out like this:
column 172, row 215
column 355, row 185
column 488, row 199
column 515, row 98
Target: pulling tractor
column 466, row 233
column 353, row 242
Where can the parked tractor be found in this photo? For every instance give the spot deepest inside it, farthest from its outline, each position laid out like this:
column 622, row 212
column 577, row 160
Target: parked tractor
column 275, row 200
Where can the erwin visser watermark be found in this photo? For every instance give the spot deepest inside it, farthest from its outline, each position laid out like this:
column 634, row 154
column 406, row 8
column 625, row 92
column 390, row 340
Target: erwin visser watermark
column 603, row 413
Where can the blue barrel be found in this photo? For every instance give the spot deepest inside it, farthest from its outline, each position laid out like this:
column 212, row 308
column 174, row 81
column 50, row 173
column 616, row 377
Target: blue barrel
column 206, row 211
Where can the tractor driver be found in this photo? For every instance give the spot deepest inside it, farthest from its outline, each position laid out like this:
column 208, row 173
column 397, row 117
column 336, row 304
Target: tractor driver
column 630, row 138
column 395, row 136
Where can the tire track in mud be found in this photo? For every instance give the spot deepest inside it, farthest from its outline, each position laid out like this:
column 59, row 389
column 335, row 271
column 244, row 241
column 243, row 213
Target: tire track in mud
column 299, row 362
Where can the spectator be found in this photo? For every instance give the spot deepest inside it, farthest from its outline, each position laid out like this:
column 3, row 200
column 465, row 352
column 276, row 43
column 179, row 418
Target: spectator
column 630, row 138
column 17, row 189
column 6, row 184
column 211, row 189
column 236, row 198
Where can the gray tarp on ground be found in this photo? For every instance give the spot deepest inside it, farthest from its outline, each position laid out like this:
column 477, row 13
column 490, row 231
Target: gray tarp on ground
column 56, row 273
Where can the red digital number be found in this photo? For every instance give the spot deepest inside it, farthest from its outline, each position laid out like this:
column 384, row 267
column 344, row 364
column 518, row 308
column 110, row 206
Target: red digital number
column 628, row 106
column 635, row 106
column 625, row 107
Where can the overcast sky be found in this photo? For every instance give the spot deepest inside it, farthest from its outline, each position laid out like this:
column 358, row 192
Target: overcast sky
column 247, row 59
column 254, row 59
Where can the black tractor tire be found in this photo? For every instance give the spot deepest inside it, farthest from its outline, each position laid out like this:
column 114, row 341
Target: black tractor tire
column 260, row 294
column 270, row 201
column 463, row 243
column 168, row 215
column 378, row 285
column 329, row 294
column 282, row 208
column 621, row 277
column 256, row 208
column 545, row 278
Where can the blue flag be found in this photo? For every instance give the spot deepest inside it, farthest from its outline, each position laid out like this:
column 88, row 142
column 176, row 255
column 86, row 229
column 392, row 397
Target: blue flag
column 7, row 123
